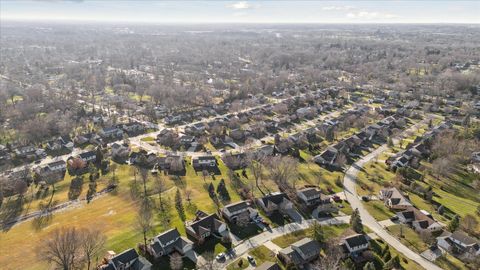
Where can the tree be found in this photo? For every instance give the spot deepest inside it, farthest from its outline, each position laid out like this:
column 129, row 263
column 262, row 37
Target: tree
column 393, row 263
column 256, row 168
column 92, row 243
column 62, row 248
column 283, row 171
column 318, row 232
column 469, row 223
column 160, row 188
column 369, row 266
column 356, row 221
column 179, row 205
column 454, row 223
column 144, row 223
column 331, row 259
column 176, row 262
column 208, row 262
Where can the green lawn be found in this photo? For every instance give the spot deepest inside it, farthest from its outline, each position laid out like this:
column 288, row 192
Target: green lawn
column 290, row 238
column 378, row 210
column 410, row 238
column 238, row 264
column 262, row 254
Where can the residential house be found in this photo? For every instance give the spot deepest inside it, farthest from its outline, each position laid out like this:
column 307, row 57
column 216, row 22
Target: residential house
column 204, row 226
column 127, row 260
column 88, row 138
column 132, row 127
column 29, row 151
column 459, row 244
column 204, row 162
column 300, row 253
column 60, row 143
column 172, row 164
column 51, row 172
column 273, row 202
column 88, row 156
column 355, row 244
column 119, row 151
column 238, row 212
column 168, row 242
column 394, row 199
column 312, row 197
column 419, row 220
column 111, row 132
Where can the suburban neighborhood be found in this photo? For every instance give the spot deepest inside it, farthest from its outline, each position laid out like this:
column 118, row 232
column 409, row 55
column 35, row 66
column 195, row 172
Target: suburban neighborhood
column 258, row 147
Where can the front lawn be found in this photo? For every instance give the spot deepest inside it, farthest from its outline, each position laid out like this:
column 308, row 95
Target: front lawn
column 408, row 237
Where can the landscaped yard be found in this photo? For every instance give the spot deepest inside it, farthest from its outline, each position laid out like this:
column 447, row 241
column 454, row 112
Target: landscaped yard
column 378, row 210
column 408, row 237
column 290, row 238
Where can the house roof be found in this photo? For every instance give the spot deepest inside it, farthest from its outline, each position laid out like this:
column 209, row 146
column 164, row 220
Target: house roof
column 233, row 207
column 87, row 154
column 168, row 236
column 309, row 192
column 307, row 245
column 125, row 257
column 463, row 238
column 275, row 198
column 356, row 240
column 209, row 223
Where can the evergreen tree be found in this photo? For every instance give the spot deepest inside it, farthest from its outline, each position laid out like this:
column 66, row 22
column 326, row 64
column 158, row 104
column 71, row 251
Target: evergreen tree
column 356, row 222
column 179, row 205
column 453, row 225
column 318, row 232
column 393, row 263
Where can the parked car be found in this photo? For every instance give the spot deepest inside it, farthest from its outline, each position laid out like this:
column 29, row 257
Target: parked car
column 394, row 218
column 251, row 260
column 220, row 257
column 365, row 198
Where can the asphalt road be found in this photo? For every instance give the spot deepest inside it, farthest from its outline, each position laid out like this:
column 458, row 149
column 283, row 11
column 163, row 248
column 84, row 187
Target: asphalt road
column 349, row 183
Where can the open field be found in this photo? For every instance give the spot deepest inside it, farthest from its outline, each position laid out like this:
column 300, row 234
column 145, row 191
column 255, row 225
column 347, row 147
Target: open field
column 116, row 213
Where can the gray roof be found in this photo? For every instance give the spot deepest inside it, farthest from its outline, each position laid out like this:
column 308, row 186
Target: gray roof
column 236, row 206
column 356, row 240
column 168, row 236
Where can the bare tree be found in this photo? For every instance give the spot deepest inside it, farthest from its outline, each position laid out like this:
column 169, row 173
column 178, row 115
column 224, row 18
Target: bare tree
column 208, row 262
column 160, row 188
column 176, row 262
column 62, row 248
column 256, row 168
column 332, row 259
column 92, row 243
column 144, row 223
column 283, row 170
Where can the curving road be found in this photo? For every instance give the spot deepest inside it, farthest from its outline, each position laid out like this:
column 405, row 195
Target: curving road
column 349, row 183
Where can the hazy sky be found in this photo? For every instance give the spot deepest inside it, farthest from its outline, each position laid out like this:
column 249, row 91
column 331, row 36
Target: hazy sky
column 388, row 11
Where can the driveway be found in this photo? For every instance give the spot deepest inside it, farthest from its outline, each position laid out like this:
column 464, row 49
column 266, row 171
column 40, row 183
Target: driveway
column 349, row 183
column 244, row 247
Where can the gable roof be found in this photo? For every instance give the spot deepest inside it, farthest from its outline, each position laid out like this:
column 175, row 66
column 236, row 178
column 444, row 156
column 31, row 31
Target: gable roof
column 209, row 223
column 276, row 198
column 168, row 236
column 356, row 240
column 233, row 207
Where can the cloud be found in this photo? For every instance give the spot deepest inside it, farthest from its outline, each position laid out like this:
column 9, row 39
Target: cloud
column 337, row 8
column 370, row 15
column 240, row 5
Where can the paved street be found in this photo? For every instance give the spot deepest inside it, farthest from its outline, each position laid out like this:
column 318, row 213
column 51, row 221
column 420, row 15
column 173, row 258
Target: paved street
column 368, row 220
column 244, row 247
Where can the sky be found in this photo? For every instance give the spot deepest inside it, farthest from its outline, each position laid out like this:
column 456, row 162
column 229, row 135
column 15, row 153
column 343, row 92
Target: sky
column 158, row 12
